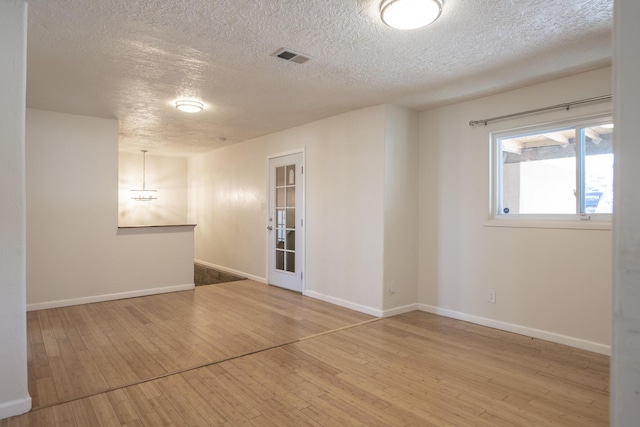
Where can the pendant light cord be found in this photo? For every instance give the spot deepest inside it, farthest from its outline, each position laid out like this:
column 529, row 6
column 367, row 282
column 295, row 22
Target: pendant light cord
column 144, row 169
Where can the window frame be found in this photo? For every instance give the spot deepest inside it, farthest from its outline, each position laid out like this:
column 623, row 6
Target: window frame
column 576, row 220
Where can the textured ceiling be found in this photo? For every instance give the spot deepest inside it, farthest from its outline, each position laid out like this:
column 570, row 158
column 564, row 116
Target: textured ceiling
column 131, row 60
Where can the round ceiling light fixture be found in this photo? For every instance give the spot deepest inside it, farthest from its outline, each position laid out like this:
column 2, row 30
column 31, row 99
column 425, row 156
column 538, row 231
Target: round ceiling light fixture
column 410, row 14
column 189, row 105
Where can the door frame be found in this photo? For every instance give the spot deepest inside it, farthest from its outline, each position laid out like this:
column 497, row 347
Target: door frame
column 302, row 209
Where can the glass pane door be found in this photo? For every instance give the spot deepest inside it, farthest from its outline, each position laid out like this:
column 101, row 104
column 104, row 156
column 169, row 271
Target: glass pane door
column 285, row 235
column 286, row 187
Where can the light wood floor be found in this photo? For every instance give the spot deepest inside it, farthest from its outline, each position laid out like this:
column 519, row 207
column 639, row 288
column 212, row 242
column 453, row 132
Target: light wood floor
column 80, row 350
column 414, row 369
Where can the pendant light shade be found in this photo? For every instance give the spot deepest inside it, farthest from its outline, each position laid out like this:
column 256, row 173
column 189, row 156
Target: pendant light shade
column 409, row 14
column 144, row 195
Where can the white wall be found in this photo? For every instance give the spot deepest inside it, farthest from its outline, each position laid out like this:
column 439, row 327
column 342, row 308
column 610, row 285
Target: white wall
column 400, row 208
column 625, row 374
column 75, row 252
column 14, row 394
column 550, row 283
column 167, row 175
column 344, row 175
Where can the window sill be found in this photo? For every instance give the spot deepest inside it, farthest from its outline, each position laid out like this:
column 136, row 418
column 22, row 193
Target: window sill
column 549, row 224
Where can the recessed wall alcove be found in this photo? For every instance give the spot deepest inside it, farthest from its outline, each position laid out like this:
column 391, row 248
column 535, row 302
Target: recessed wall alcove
column 167, row 175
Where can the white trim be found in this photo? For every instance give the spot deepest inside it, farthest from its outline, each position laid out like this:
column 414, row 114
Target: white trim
column 285, row 153
column 232, row 271
column 399, row 310
column 15, row 407
column 576, row 224
column 519, row 329
column 346, row 304
column 108, row 297
column 303, row 217
column 267, row 240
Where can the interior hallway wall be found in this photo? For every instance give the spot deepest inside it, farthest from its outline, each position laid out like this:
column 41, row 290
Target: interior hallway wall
column 344, row 176
column 625, row 361
column 400, row 210
column 14, row 393
column 75, row 251
column 550, row 283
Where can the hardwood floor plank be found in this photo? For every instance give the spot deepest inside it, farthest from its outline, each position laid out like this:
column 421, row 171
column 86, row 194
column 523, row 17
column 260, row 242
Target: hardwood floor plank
column 46, row 392
column 163, row 409
column 343, row 417
column 263, row 421
column 152, row 410
column 112, row 376
column 44, row 417
column 199, row 402
column 322, row 418
column 181, row 400
column 122, row 406
column 215, row 396
column 116, row 343
column 48, row 335
column 103, row 409
column 83, row 413
column 242, row 399
column 284, row 369
column 63, row 415
column 238, row 370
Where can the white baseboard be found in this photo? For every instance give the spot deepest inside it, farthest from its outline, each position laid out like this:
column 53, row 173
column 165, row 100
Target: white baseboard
column 15, row 407
column 108, row 297
column 519, row 329
column 232, row 271
column 343, row 303
column 399, row 310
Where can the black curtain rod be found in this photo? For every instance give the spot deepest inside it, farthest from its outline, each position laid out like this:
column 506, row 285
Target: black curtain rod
column 565, row 106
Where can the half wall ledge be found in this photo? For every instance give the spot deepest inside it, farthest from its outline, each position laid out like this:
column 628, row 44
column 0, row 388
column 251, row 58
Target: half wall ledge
column 154, row 229
column 156, row 226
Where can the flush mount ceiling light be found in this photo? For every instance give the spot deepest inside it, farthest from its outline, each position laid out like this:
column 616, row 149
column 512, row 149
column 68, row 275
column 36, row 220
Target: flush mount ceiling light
column 410, row 14
column 144, row 195
column 189, row 105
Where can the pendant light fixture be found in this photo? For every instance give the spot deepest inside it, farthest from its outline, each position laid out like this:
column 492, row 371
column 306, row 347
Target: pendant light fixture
column 144, row 195
column 410, row 14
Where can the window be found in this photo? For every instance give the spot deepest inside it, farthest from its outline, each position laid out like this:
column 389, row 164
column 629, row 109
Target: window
column 561, row 171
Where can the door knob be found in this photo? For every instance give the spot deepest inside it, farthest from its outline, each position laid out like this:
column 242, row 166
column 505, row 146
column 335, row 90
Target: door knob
column 269, row 228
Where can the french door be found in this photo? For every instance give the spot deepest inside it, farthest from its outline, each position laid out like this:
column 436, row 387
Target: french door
column 285, row 222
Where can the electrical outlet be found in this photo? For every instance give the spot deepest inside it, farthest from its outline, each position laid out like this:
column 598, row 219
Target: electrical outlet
column 492, row 296
column 392, row 288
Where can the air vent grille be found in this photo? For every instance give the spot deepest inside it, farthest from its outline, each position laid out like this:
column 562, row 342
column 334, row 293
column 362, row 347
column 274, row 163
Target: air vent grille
column 290, row 55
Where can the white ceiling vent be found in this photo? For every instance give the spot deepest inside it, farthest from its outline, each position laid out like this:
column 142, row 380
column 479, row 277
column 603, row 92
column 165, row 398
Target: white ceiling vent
column 290, row 55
